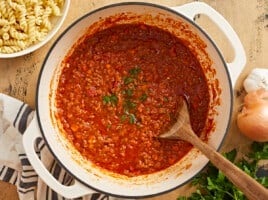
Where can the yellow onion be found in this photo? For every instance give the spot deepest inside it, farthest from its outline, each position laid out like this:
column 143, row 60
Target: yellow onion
column 252, row 121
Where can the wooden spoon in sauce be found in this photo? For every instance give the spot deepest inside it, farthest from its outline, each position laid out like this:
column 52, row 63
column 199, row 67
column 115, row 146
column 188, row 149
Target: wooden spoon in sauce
column 182, row 129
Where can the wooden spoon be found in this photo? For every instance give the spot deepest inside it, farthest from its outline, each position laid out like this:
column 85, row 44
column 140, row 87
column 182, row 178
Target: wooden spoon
column 182, row 130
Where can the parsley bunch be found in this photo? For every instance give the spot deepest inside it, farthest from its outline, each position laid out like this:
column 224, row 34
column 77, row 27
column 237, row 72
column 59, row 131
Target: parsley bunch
column 213, row 185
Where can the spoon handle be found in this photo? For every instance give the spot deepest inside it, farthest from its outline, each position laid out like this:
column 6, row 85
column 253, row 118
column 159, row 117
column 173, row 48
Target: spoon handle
column 249, row 186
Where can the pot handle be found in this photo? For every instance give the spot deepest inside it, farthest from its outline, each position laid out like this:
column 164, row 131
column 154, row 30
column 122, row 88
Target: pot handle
column 190, row 10
column 29, row 137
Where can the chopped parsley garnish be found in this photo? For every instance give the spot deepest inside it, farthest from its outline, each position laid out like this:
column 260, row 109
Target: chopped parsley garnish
column 123, row 118
column 128, row 92
column 130, row 96
column 106, row 99
column 129, row 105
column 128, row 80
column 130, row 116
column 143, row 97
column 132, row 119
column 112, row 99
column 134, row 71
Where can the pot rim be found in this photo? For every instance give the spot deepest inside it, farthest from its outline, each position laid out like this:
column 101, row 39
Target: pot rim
column 166, row 9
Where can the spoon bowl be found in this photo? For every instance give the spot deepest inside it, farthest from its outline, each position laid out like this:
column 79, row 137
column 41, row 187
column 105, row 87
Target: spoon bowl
column 182, row 129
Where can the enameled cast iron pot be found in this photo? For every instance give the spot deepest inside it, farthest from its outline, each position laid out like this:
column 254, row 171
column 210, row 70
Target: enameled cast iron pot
column 90, row 179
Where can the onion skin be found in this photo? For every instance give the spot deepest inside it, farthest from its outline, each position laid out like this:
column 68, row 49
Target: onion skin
column 252, row 121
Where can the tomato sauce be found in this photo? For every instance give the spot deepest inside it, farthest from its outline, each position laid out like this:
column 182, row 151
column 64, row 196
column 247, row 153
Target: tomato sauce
column 120, row 88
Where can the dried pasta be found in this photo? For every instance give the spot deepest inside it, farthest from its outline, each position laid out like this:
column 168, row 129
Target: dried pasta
column 25, row 22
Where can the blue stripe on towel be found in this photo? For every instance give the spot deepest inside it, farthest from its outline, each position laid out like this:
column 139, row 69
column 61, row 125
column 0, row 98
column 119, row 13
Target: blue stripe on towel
column 18, row 114
column 8, row 174
column 27, row 185
column 23, row 191
column 23, row 120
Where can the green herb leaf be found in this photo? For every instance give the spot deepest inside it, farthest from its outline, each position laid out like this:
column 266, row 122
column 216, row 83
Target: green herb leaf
column 134, row 71
column 132, row 119
column 106, row 99
column 128, row 80
column 129, row 105
column 260, row 151
column 112, row 99
column 230, row 155
column 128, row 92
column 123, row 118
column 143, row 97
column 213, row 185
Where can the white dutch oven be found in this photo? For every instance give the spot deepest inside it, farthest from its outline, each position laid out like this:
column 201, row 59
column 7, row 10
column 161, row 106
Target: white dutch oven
column 89, row 179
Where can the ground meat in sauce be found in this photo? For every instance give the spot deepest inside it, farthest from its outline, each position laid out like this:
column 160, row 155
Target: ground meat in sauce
column 120, row 88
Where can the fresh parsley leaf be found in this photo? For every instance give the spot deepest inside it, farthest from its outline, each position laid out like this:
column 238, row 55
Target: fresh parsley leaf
column 134, row 71
column 130, row 116
column 213, row 185
column 260, row 151
column 132, row 119
column 112, row 99
column 143, row 97
column 123, row 118
column 106, row 99
column 128, row 92
column 129, row 105
column 128, row 80
column 231, row 155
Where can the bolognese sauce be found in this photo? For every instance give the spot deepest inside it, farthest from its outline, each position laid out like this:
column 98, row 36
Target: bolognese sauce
column 120, row 88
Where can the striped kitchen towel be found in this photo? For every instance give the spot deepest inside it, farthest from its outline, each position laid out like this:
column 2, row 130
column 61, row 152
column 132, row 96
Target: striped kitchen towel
column 14, row 165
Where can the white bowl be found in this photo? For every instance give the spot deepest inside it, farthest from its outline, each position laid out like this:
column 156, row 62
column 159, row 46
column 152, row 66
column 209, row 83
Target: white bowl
column 57, row 22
